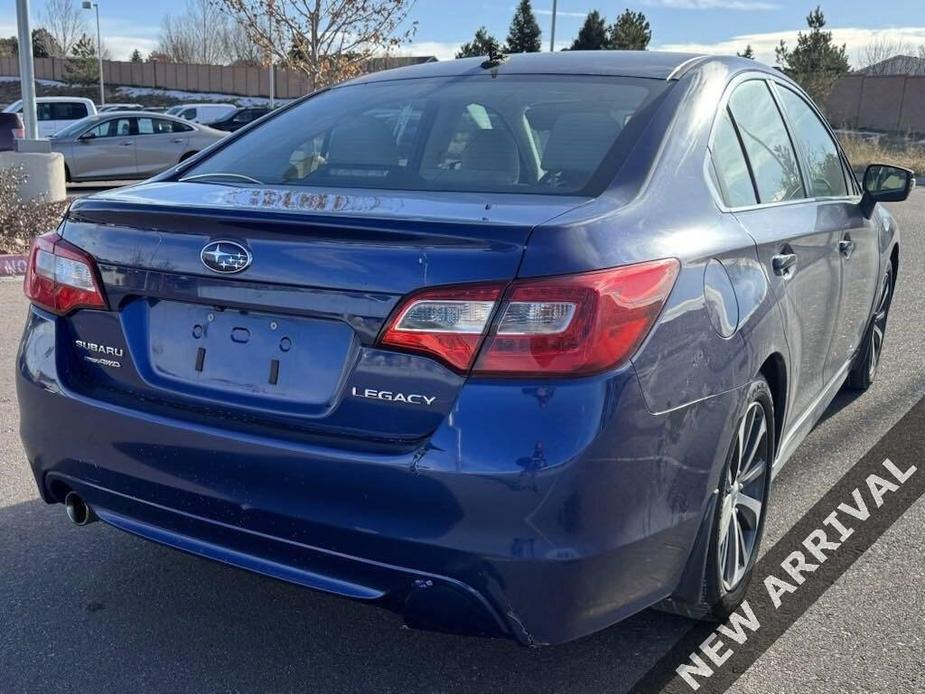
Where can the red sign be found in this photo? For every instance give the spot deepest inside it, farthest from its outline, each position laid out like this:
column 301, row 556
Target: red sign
column 12, row 265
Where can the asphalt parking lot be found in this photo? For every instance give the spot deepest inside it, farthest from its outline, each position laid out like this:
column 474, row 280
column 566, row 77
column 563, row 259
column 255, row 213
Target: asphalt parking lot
column 95, row 610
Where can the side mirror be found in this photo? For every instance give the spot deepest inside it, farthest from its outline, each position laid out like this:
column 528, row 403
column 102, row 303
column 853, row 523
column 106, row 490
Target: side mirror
column 86, row 137
column 885, row 183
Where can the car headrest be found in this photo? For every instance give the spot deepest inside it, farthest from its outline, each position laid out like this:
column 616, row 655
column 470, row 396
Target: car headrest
column 364, row 141
column 493, row 151
column 579, row 141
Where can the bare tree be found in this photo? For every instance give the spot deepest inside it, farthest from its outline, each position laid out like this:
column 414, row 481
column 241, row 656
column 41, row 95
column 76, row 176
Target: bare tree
column 327, row 40
column 239, row 49
column 64, row 20
column 198, row 35
column 874, row 55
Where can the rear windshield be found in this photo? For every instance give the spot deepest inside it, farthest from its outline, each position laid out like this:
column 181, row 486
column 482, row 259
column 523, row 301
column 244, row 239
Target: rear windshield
column 514, row 133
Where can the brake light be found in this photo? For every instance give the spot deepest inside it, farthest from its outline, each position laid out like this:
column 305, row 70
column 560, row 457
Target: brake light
column 447, row 323
column 60, row 277
column 576, row 325
column 19, row 133
column 571, row 325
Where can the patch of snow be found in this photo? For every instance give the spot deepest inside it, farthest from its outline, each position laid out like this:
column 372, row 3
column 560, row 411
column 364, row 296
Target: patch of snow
column 198, row 97
column 46, row 83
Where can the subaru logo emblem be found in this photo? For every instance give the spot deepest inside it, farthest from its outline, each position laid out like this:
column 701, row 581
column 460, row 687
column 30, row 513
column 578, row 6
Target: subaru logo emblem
column 226, row 257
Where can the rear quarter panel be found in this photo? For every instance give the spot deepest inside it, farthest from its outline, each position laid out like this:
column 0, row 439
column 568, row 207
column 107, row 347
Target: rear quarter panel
column 666, row 209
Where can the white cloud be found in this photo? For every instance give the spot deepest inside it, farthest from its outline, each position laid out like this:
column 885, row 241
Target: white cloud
column 443, row 50
column 763, row 44
column 744, row 5
column 120, row 43
column 121, row 47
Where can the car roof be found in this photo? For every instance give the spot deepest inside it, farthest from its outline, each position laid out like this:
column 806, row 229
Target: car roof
column 51, row 99
column 661, row 65
column 106, row 115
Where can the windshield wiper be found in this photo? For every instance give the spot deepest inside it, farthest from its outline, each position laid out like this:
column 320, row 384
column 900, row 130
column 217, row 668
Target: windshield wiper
column 204, row 177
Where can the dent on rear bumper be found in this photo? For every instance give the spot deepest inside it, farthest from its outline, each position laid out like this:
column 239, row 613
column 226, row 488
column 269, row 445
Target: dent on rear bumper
column 560, row 507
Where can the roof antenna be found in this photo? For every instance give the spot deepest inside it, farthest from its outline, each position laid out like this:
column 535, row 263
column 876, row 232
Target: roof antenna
column 495, row 58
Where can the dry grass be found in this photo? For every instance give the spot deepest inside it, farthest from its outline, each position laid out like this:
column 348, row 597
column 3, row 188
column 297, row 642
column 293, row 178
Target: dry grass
column 862, row 151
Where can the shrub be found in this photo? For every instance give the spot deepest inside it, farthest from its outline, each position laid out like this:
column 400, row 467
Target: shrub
column 23, row 220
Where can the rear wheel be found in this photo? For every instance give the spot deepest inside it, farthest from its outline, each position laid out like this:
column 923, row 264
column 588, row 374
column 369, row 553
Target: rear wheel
column 737, row 523
column 742, row 501
column 867, row 361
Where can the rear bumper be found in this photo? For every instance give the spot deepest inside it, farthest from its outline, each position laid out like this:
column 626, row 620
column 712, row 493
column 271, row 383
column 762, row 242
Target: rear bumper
column 543, row 511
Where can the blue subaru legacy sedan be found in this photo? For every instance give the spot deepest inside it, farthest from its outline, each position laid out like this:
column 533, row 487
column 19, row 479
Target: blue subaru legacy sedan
column 511, row 346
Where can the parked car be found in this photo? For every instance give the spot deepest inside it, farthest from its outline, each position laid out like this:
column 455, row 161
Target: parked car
column 512, row 346
column 11, row 128
column 239, row 118
column 56, row 112
column 121, row 107
column 202, row 113
column 129, row 144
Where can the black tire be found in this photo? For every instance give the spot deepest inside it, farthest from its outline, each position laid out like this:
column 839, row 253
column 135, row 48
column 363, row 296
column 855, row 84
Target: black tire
column 67, row 174
column 718, row 597
column 867, row 361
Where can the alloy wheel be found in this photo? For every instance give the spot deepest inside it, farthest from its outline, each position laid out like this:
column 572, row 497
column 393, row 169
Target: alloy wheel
column 879, row 327
column 744, row 498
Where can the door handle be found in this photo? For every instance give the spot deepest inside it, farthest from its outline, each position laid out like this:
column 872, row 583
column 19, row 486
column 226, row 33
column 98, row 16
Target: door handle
column 126, row 144
column 784, row 264
column 846, row 246
column 177, row 140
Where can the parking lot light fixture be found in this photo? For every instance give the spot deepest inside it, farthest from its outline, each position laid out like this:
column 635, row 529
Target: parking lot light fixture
column 89, row 5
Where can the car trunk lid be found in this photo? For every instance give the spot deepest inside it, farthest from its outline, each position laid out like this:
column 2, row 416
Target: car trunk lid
column 289, row 341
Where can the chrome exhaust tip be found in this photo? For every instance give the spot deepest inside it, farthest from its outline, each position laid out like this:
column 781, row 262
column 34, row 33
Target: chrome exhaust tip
column 77, row 509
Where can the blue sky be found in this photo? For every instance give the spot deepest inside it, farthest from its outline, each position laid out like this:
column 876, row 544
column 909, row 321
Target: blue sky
column 703, row 25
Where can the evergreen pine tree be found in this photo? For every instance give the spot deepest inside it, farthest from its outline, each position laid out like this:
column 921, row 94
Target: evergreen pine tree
column 631, row 32
column 482, row 44
column 524, row 34
column 593, row 34
column 82, row 68
column 815, row 63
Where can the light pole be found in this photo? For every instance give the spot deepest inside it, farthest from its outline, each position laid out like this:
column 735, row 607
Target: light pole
column 88, row 5
column 270, row 9
column 26, row 69
column 552, row 34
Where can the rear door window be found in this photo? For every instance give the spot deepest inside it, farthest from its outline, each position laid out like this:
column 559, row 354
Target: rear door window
column 159, row 126
column 820, row 153
column 767, row 143
column 735, row 180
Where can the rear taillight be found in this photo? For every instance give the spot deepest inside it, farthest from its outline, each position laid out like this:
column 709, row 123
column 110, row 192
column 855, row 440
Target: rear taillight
column 447, row 323
column 572, row 325
column 19, row 133
column 60, row 277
